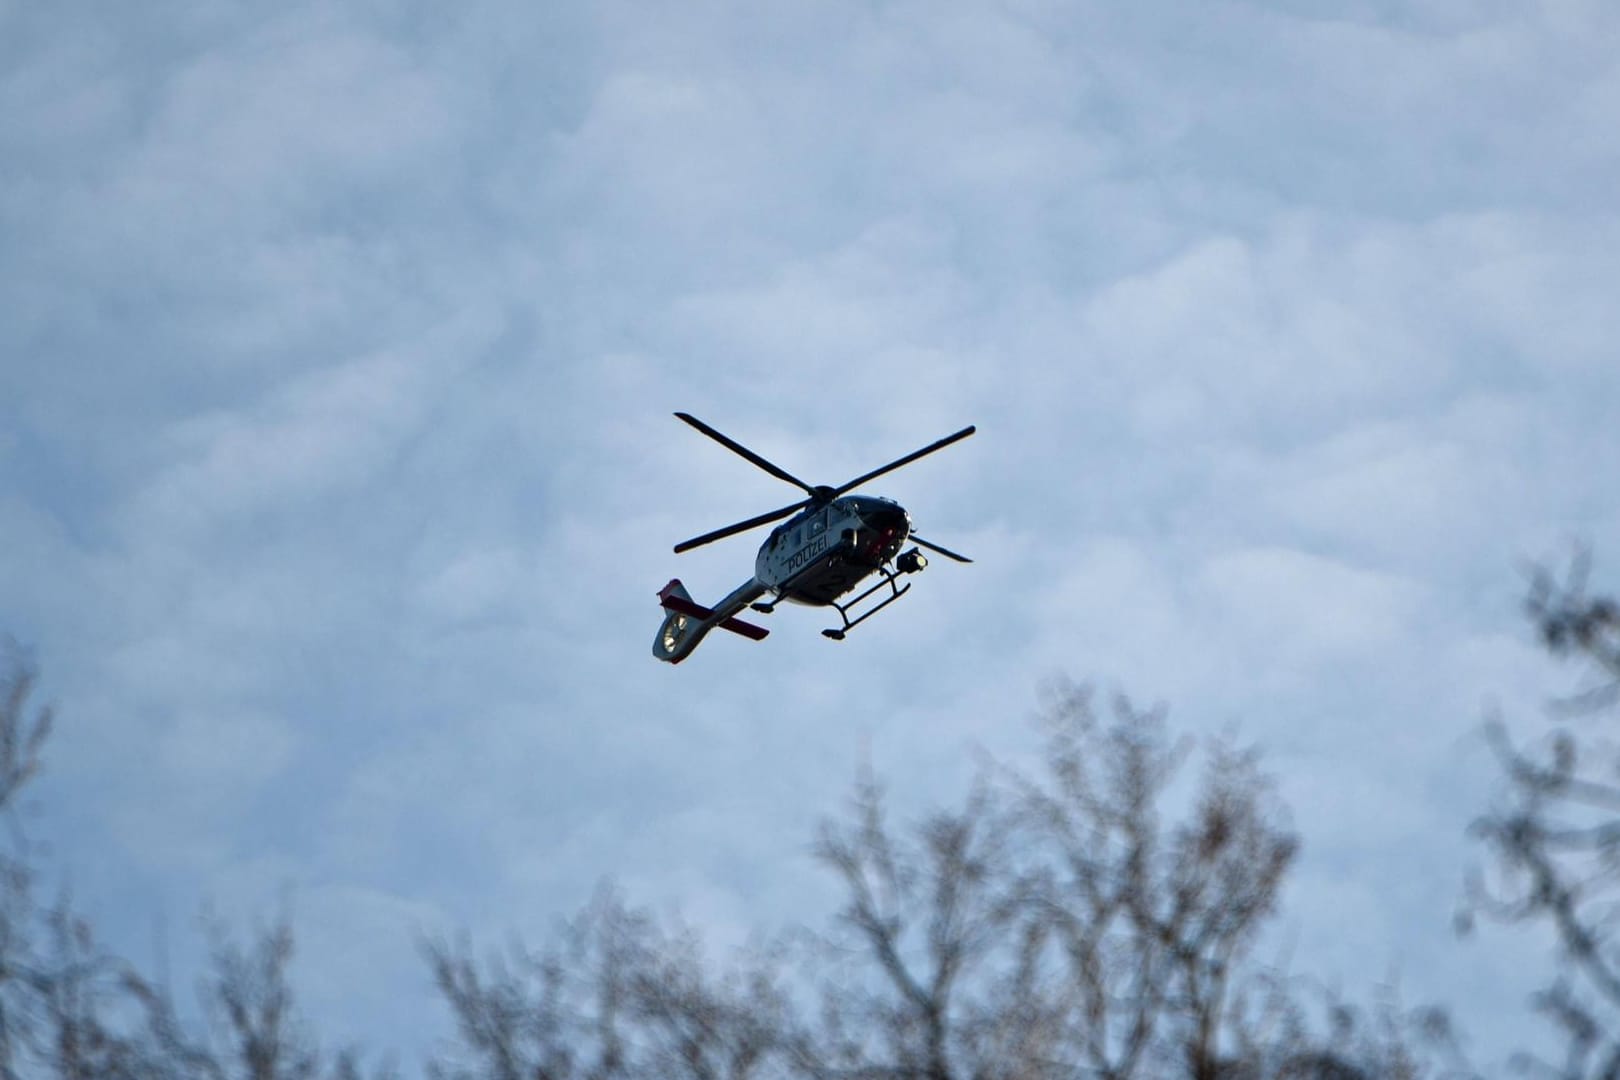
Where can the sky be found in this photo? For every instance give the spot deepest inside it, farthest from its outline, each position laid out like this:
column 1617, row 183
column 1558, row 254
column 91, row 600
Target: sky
column 339, row 344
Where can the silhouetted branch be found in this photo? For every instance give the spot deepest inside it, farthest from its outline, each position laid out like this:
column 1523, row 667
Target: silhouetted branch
column 1554, row 839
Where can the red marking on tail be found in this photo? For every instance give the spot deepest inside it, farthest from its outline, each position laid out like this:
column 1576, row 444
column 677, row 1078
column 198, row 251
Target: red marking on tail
column 668, row 597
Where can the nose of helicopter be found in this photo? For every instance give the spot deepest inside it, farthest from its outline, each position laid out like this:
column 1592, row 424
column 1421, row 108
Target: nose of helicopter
column 888, row 519
column 890, row 526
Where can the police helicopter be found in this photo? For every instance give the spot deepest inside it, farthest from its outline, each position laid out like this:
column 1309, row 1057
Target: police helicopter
column 831, row 543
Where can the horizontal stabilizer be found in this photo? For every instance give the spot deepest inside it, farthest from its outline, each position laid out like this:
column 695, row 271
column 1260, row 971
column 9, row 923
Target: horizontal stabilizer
column 695, row 610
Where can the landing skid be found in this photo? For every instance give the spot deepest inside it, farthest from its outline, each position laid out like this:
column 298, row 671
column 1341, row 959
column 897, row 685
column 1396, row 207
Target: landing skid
column 896, row 591
column 909, row 562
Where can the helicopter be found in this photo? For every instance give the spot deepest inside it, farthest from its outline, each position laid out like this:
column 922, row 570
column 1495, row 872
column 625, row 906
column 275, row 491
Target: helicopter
column 831, row 543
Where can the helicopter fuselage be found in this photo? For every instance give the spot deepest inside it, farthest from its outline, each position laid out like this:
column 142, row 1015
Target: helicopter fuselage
column 829, row 542
column 822, row 553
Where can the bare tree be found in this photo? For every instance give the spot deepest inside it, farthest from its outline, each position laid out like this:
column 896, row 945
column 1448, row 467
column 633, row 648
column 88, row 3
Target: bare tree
column 925, row 921
column 1095, row 921
column 50, row 974
column 618, row 996
column 72, row 1009
column 1152, row 922
column 1554, row 834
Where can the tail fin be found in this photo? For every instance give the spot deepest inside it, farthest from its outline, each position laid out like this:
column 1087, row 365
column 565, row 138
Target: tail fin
column 681, row 630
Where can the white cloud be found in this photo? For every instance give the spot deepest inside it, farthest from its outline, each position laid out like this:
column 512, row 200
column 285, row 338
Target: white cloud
column 1307, row 611
column 324, row 434
column 274, row 122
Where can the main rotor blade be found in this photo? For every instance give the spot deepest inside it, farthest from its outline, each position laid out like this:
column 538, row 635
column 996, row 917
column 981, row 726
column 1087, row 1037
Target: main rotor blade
column 943, row 551
column 907, row 460
column 741, row 526
column 738, row 448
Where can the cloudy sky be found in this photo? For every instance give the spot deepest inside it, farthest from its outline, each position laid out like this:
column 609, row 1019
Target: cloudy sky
column 339, row 342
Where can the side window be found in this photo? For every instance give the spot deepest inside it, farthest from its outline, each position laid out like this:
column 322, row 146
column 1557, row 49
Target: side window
column 798, row 537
